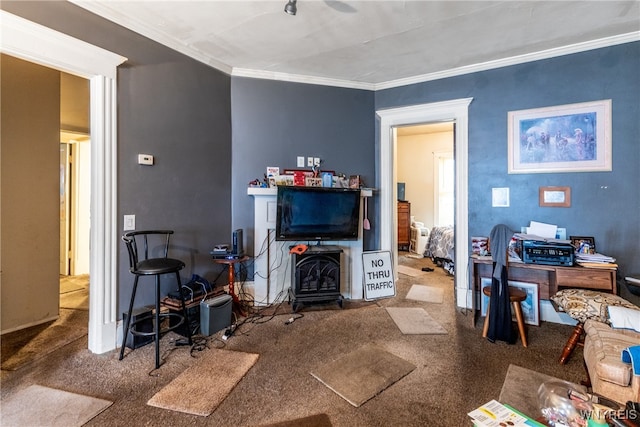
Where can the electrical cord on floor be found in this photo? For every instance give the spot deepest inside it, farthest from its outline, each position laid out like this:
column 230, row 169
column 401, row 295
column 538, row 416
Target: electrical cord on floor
column 293, row 319
column 200, row 343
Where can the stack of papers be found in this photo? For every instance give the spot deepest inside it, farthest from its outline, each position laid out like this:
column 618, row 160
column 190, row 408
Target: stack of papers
column 595, row 260
column 537, row 238
column 541, row 232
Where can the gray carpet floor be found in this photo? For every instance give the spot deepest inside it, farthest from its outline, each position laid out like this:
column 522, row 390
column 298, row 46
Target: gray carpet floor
column 455, row 372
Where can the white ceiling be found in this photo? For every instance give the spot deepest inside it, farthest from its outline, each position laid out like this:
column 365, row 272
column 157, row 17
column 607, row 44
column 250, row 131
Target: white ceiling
column 373, row 44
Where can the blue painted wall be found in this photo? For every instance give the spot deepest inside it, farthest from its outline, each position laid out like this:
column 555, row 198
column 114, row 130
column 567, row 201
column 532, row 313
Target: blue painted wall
column 274, row 122
column 605, row 205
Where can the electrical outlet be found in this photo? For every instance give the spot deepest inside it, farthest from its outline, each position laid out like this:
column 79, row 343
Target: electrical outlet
column 316, row 161
column 310, row 161
column 300, row 161
column 145, row 159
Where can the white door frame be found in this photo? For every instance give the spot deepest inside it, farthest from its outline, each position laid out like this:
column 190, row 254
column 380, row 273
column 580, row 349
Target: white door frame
column 35, row 43
column 457, row 110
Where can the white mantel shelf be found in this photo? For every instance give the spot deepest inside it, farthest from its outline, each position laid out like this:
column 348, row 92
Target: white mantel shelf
column 272, row 265
column 270, row 191
column 262, row 191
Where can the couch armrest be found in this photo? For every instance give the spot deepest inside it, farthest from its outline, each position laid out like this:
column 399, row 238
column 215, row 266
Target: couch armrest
column 610, row 376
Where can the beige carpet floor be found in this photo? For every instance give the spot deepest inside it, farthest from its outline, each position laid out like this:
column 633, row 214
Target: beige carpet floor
column 68, row 328
column 362, row 374
column 426, row 294
column 318, row 420
column 409, row 271
column 202, row 386
column 38, row 406
column 74, row 292
column 455, row 372
column 415, row 321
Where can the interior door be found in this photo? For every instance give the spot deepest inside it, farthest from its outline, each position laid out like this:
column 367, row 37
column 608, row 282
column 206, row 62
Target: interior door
column 64, row 209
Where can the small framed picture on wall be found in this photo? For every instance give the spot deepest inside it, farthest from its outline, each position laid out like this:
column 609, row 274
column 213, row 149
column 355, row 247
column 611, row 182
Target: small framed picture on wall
column 583, row 244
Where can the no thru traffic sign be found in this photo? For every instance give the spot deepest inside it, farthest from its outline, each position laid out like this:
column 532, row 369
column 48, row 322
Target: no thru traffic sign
column 378, row 277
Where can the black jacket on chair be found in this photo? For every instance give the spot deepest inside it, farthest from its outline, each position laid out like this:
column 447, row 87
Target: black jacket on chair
column 500, row 326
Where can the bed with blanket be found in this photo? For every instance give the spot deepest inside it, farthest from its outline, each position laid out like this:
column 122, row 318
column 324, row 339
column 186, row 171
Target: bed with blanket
column 440, row 247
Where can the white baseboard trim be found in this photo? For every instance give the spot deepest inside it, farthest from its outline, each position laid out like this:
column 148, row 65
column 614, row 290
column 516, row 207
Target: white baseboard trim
column 463, row 298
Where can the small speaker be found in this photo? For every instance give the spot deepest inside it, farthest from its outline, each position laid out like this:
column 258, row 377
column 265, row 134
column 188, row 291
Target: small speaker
column 237, row 242
column 144, row 318
column 194, row 321
column 215, row 314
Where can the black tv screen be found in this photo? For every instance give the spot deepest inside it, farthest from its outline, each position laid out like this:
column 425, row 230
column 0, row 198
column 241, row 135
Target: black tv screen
column 317, row 213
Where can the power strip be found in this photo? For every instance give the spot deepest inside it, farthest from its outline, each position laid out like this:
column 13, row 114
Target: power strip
column 230, row 330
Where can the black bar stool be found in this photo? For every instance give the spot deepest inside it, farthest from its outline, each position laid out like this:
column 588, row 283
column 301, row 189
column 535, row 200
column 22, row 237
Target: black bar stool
column 140, row 264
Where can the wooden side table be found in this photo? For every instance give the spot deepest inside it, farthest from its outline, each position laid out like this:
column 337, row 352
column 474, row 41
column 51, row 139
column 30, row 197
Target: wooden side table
column 231, row 266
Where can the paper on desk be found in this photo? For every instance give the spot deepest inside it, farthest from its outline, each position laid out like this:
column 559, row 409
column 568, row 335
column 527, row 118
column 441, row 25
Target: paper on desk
column 548, row 231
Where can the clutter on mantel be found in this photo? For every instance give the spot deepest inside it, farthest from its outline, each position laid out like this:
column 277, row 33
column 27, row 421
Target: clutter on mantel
column 313, row 177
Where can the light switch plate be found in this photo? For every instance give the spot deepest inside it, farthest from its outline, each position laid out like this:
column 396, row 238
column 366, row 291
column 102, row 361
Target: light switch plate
column 129, row 223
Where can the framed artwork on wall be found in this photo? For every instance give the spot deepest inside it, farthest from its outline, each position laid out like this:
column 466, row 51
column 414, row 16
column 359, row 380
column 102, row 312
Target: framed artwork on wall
column 564, row 138
column 530, row 306
column 555, row 197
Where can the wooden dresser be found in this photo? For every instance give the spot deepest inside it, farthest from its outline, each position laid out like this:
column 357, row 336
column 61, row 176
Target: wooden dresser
column 404, row 225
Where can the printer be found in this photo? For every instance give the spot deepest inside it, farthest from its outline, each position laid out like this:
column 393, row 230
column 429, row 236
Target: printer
column 547, row 253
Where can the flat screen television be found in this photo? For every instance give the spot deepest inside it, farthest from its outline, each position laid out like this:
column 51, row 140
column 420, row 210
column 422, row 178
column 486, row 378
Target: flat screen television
column 317, row 213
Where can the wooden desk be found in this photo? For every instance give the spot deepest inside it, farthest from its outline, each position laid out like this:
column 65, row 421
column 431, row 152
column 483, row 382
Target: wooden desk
column 548, row 277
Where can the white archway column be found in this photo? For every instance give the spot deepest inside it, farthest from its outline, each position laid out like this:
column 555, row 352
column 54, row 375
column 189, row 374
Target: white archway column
column 35, row 43
column 456, row 110
column 103, row 300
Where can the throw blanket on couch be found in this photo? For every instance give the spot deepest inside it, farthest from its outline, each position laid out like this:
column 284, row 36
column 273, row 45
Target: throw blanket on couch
column 632, row 355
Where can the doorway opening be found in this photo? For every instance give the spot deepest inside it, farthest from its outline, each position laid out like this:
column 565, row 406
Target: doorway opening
column 75, row 215
column 426, row 177
column 425, row 172
column 32, row 42
column 390, row 119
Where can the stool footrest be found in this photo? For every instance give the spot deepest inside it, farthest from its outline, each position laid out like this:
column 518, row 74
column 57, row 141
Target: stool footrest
column 132, row 327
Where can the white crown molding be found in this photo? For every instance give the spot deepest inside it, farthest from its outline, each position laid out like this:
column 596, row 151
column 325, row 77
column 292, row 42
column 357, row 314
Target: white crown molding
column 24, row 39
column 106, row 12
column 515, row 60
column 298, row 78
column 504, row 62
column 101, row 9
